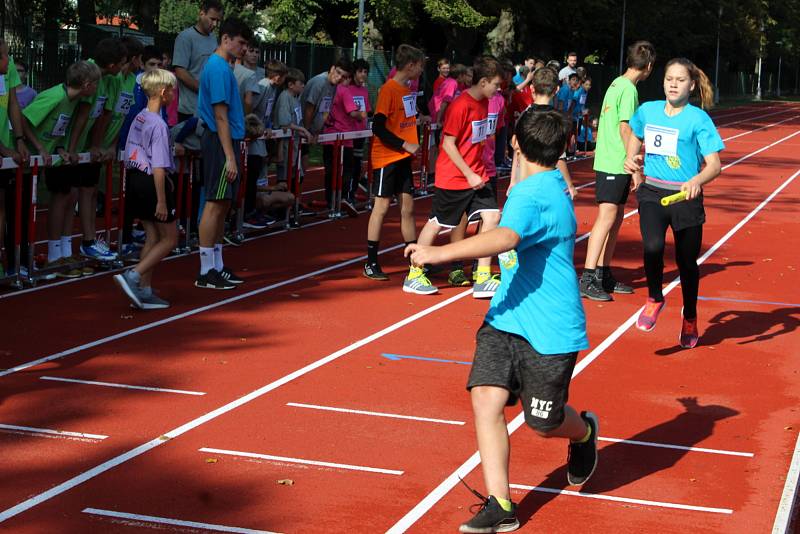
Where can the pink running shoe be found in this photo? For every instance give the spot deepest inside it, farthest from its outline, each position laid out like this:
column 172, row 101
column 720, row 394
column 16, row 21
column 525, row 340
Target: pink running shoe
column 647, row 319
column 689, row 334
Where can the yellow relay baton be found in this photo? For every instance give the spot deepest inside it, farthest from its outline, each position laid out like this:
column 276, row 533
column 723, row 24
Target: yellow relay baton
column 672, row 199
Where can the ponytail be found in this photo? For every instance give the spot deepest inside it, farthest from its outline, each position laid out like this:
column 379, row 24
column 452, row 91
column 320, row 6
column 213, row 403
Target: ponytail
column 702, row 85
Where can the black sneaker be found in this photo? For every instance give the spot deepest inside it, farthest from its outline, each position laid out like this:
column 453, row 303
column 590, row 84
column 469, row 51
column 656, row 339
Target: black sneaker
column 373, row 272
column 582, row 457
column 590, row 288
column 213, row 280
column 230, row 276
column 234, row 239
column 492, row 518
column 611, row 284
column 349, row 208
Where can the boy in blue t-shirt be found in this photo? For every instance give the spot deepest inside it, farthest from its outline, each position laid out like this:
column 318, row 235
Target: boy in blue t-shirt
column 535, row 326
column 219, row 106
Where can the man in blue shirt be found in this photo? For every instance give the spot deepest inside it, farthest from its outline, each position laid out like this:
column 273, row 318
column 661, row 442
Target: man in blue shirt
column 529, row 342
column 219, row 106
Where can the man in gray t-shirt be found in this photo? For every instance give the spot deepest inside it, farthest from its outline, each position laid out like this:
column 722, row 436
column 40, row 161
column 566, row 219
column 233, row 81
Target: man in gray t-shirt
column 318, row 95
column 193, row 47
column 564, row 74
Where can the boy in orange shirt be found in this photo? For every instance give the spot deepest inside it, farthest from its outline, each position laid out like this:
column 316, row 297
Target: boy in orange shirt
column 395, row 141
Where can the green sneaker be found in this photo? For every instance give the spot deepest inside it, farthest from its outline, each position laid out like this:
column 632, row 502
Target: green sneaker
column 419, row 284
column 458, row 278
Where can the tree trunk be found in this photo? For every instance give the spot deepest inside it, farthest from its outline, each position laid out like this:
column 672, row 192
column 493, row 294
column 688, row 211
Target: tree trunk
column 86, row 15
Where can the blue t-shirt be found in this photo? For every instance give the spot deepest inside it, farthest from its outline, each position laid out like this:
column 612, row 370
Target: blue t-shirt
column 583, row 132
column 564, row 96
column 579, row 97
column 539, row 298
column 218, row 86
column 675, row 147
column 517, row 79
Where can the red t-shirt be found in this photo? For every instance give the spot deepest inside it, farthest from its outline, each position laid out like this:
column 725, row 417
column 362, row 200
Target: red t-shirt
column 437, row 82
column 467, row 120
column 520, row 101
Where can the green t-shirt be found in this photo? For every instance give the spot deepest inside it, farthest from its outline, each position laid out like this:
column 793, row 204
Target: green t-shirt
column 50, row 114
column 619, row 105
column 103, row 99
column 8, row 83
column 121, row 106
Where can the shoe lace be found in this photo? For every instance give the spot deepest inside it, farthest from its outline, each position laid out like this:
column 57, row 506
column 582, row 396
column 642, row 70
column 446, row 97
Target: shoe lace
column 484, row 500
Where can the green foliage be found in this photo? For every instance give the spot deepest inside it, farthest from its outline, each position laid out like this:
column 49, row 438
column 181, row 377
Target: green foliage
column 177, row 15
column 457, row 13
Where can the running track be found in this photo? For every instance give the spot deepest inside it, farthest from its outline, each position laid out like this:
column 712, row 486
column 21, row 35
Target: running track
column 292, row 368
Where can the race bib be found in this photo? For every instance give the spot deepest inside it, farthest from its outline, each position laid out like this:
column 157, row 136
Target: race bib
column 298, row 115
column 124, row 103
column 492, row 124
column 268, row 111
column 410, row 106
column 325, row 105
column 360, row 103
column 479, row 130
column 2, row 85
column 582, row 99
column 60, row 127
column 97, row 110
column 660, row 140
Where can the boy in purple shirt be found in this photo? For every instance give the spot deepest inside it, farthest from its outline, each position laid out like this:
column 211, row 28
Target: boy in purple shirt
column 150, row 192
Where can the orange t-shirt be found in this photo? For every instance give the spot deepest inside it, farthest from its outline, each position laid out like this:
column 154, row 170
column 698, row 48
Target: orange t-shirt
column 396, row 102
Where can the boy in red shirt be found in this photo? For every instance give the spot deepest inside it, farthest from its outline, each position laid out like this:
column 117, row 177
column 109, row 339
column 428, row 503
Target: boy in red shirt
column 462, row 181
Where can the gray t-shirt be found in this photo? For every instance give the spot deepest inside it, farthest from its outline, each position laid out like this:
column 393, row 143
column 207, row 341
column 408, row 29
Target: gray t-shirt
column 263, row 106
column 287, row 110
column 243, row 74
column 319, row 92
column 192, row 50
column 563, row 74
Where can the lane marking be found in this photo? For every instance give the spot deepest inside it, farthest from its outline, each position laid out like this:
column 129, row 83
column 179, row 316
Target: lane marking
column 123, row 386
column 376, row 414
column 678, row 447
column 731, row 138
column 783, row 518
column 746, row 301
column 170, row 521
column 51, row 432
column 303, row 461
column 626, row 500
column 473, row 461
column 398, row 357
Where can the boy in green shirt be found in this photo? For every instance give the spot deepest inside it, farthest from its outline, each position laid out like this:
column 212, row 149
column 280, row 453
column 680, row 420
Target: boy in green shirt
column 47, row 119
column 612, row 184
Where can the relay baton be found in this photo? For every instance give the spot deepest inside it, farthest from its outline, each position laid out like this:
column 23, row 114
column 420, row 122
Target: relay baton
column 672, row 199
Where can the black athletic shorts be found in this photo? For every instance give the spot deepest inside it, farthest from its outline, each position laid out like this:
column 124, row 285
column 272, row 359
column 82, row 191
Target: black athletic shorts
column 393, row 179
column 59, row 179
column 682, row 215
column 216, row 185
column 141, row 197
column 8, row 179
column 86, row 174
column 540, row 381
column 450, row 204
column 612, row 188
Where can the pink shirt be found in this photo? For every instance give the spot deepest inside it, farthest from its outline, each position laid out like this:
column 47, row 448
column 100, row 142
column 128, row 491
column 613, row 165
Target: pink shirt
column 446, row 93
column 172, row 109
column 496, row 106
column 411, row 84
column 348, row 98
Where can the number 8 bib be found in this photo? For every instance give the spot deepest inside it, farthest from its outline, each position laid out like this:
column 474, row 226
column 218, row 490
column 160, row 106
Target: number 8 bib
column 660, row 140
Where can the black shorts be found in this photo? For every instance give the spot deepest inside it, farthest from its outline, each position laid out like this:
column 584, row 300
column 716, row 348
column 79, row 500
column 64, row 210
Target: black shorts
column 213, row 168
column 450, row 204
column 8, row 179
column 59, row 179
column 682, row 215
column 612, row 188
column 540, row 381
column 141, row 197
column 86, row 174
column 394, row 179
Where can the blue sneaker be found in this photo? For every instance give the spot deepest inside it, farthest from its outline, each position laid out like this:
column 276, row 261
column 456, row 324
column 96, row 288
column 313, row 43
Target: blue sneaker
column 97, row 252
column 129, row 252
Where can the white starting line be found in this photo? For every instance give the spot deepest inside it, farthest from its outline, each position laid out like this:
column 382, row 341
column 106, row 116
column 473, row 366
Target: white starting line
column 50, row 432
column 138, row 518
column 626, row 500
column 122, row 386
column 375, row 414
column 303, row 461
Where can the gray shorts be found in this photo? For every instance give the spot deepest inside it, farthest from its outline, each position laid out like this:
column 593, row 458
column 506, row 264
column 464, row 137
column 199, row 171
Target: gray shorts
column 540, row 381
column 215, row 184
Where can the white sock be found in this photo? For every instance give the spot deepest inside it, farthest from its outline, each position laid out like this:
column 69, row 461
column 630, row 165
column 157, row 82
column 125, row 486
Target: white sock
column 53, row 250
column 218, row 264
column 206, row 259
column 66, row 246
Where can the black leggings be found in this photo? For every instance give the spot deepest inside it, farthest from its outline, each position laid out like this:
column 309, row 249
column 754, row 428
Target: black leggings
column 653, row 221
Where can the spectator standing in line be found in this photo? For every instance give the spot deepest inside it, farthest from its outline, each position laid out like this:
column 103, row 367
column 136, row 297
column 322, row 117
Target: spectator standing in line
column 25, row 93
column 249, row 66
column 569, row 68
column 193, row 47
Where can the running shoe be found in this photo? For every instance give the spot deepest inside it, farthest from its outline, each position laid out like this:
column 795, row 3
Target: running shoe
column 590, row 288
column 254, row 222
column 689, row 333
column 349, row 208
column 649, row 315
column 131, row 288
column 97, row 252
column 139, row 236
column 487, row 288
column 418, row 283
column 129, row 252
column 213, row 280
column 490, row 517
column 153, row 302
column 65, row 270
column 234, row 239
column 230, row 276
column 582, row 457
column 609, row 284
column 458, row 278
column 373, row 272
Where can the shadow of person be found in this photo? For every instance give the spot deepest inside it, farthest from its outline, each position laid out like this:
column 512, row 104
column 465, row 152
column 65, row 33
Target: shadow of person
column 620, row 464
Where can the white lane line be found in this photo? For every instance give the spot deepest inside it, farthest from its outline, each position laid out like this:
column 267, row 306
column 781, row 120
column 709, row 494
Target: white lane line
column 152, row 444
column 51, row 432
column 626, row 500
column 731, row 138
column 376, row 414
column 472, row 462
column 303, row 461
column 123, row 386
column 783, row 518
column 677, row 447
column 750, row 119
column 743, row 112
column 138, row 518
